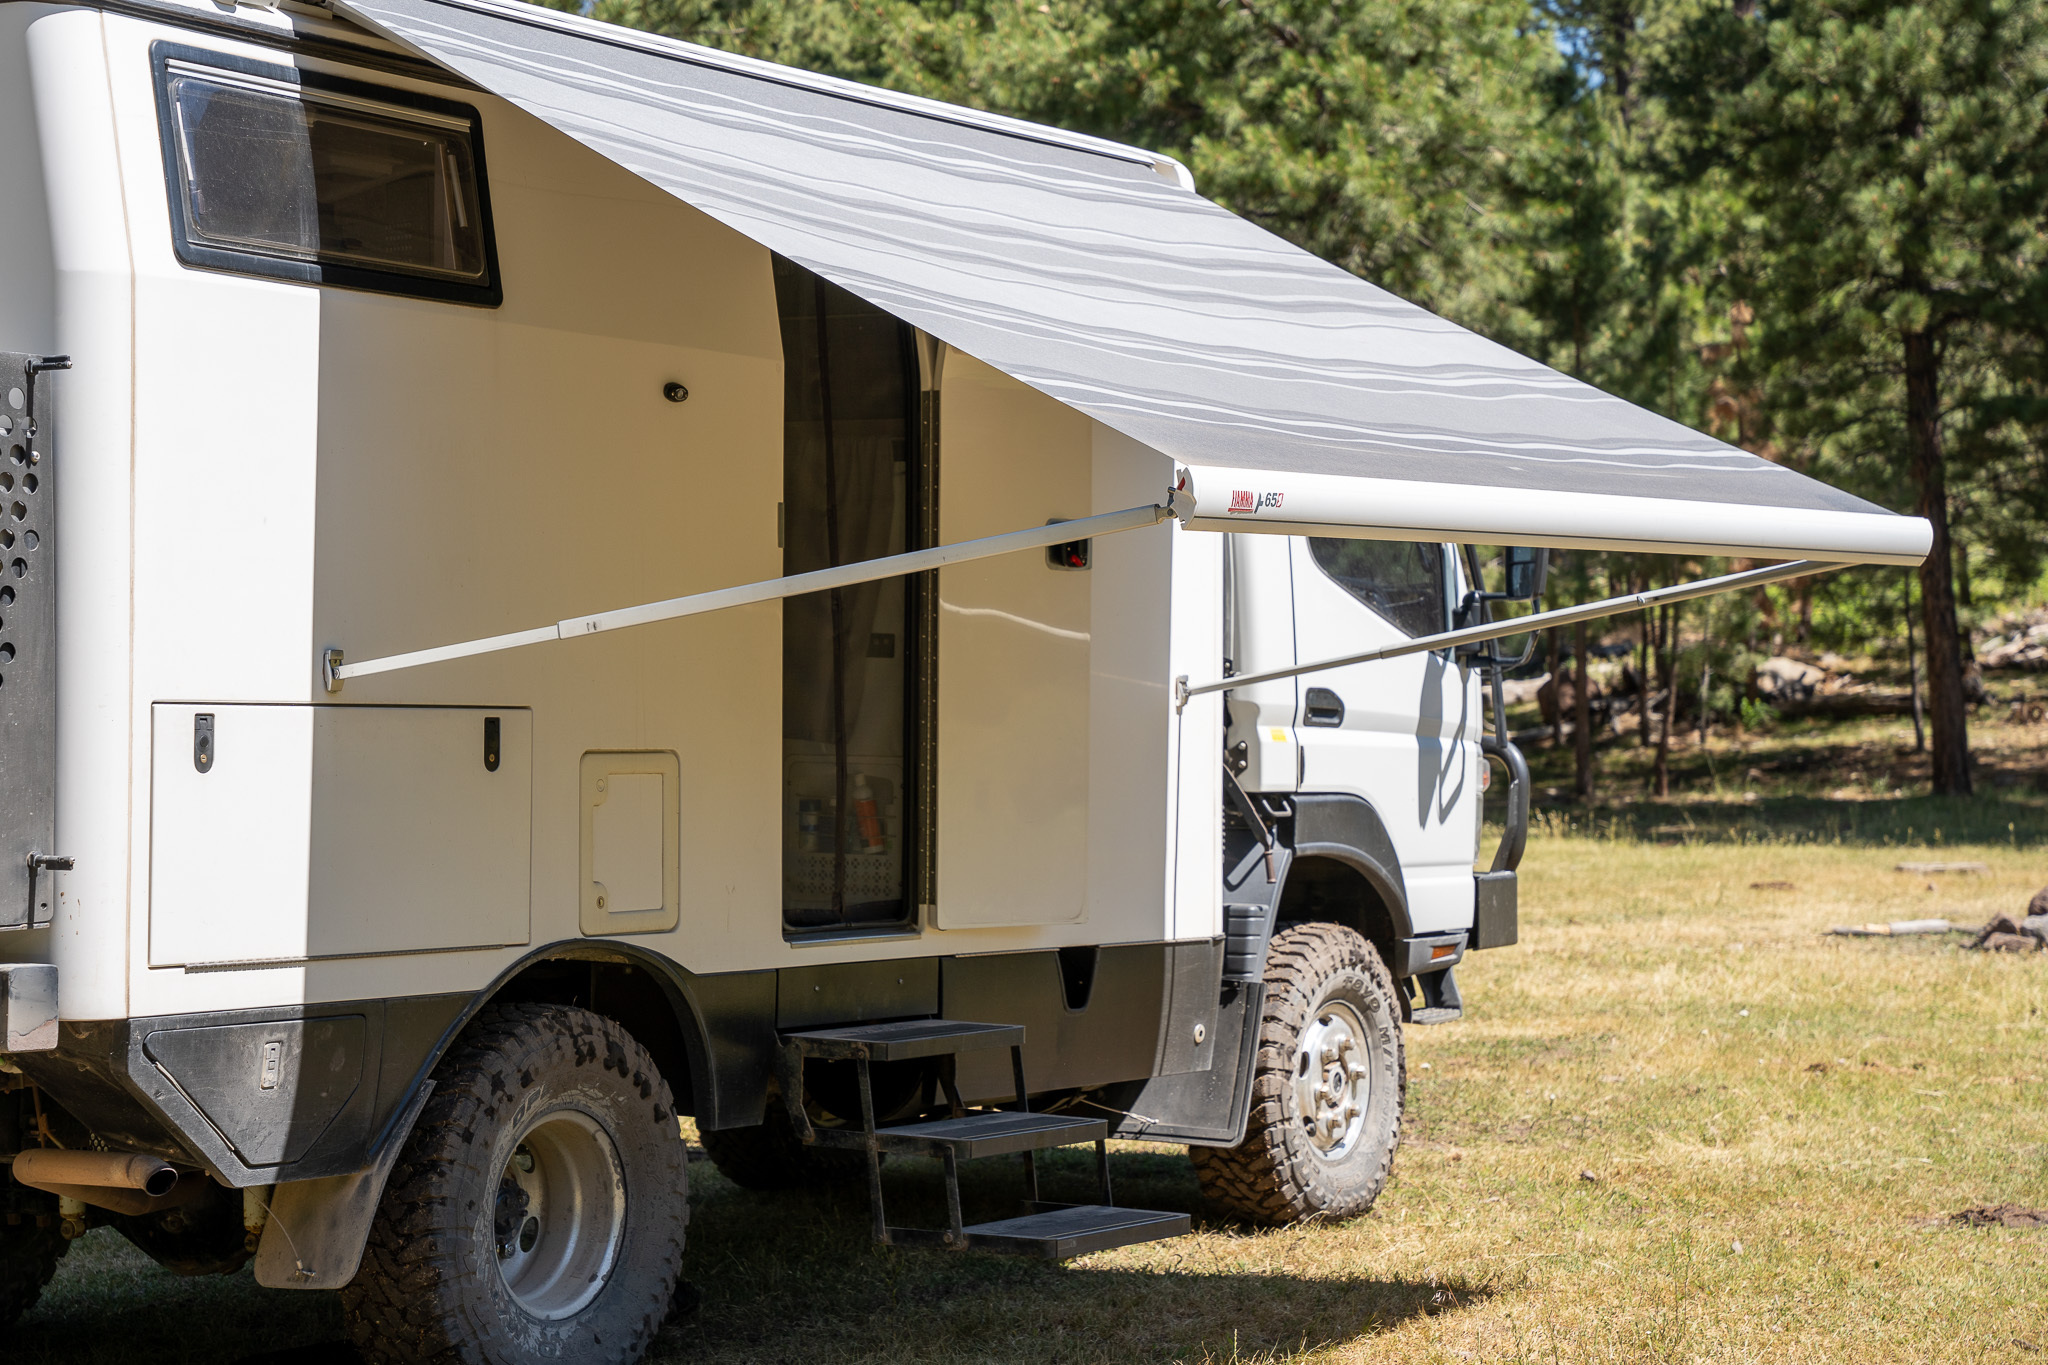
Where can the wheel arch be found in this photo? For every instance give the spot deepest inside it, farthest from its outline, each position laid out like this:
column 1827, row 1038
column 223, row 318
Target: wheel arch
column 712, row 1036
column 1345, row 870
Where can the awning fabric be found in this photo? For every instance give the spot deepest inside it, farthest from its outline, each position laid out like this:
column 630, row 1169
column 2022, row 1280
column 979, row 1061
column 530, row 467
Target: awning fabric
column 1299, row 397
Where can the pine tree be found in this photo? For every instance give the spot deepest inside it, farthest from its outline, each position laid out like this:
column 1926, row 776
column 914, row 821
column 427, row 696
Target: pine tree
column 1892, row 164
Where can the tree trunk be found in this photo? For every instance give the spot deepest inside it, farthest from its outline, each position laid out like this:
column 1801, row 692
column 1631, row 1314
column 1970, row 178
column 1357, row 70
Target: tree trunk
column 1660, row 774
column 1948, row 718
column 1554, row 657
column 1643, row 675
column 1582, row 714
column 1913, row 676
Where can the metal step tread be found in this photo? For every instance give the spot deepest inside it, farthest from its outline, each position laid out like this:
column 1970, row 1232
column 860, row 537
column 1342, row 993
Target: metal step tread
column 1058, row 1234
column 1436, row 1014
column 992, row 1133
column 904, row 1040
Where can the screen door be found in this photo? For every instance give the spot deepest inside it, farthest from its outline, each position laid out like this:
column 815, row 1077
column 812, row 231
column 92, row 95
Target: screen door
column 851, row 479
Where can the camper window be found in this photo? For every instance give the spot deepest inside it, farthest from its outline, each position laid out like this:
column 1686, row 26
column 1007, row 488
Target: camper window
column 1401, row 580
column 272, row 174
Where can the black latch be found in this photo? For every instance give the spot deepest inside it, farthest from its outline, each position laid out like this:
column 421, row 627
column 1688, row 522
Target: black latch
column 202, row 741
column 1322, row 707
column 492, row 731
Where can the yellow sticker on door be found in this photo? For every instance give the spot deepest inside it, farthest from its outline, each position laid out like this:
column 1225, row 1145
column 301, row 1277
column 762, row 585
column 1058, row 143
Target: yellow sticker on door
column 1279, row 736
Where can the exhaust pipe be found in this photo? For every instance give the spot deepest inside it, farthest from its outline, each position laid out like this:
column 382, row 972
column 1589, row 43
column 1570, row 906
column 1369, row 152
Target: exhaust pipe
column 124, row 1182
column 46, row 1169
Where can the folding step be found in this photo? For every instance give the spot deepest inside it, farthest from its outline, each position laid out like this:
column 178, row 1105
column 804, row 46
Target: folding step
column 1055, row 1231
column 989, row 1133
column 903, row 1041
column 1055, row 1234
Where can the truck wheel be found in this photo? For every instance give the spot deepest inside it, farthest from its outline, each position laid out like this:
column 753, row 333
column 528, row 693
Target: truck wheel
column 537, row 1211
column 1328, row 1087
column 28, row 1258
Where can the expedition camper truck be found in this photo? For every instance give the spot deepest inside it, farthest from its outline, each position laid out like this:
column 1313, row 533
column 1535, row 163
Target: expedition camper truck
column 1052, row 709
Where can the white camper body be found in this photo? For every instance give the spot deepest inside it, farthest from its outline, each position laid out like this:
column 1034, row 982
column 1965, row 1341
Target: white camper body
column 268, row 885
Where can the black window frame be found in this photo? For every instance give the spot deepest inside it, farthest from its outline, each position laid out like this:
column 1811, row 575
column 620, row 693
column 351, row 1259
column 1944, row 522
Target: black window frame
column 201, row 255
column 1449, row 574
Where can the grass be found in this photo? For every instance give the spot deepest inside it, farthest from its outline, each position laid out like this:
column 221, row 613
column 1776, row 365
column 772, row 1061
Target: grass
column 1676, row 1124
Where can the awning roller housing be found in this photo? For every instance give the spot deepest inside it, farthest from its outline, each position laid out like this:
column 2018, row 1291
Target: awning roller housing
column 1400, row 509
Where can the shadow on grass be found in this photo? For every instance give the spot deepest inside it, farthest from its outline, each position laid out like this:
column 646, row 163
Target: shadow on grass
column 1882, row 822
column 111, row 1305
column 793, row 1276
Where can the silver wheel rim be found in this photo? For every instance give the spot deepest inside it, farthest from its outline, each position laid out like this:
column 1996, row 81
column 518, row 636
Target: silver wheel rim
column 560, row 1214
column 1333, row 1080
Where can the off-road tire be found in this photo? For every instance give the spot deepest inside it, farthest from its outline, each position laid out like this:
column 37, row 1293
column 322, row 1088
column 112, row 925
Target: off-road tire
column 28, row 1258
column 768, row 1155
column 430, row 1291
column 1277, row 1175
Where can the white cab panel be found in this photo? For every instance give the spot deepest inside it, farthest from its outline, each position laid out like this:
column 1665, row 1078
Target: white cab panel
column 1408, row 742
column 325, row 831
column 1014, row 637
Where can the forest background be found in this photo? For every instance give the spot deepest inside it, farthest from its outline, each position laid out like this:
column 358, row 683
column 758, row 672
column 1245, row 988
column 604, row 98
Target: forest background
column 1813, row 229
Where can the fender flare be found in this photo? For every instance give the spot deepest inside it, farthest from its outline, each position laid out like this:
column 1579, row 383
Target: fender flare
column 1348, row 830
column 315, row 1236
column 1344, row 829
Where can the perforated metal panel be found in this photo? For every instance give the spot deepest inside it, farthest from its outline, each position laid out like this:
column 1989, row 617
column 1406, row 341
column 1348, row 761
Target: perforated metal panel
column 28, row 638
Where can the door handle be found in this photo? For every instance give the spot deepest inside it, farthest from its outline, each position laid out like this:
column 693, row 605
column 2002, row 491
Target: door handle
column 1323, row 707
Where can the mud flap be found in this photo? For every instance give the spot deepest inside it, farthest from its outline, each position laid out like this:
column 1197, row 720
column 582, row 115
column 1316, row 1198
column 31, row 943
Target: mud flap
column 1210, row 1107
column 317, row 1229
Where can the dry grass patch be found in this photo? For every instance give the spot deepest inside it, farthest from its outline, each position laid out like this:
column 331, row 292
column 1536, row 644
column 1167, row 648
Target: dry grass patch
column 1769, row 1120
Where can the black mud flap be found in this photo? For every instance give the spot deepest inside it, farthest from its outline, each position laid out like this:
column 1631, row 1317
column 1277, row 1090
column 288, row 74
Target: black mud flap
column 1204, row 1107
column 28, row 640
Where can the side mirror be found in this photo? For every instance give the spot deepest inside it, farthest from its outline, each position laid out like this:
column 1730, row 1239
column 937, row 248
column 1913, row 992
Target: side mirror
column 1527, row 567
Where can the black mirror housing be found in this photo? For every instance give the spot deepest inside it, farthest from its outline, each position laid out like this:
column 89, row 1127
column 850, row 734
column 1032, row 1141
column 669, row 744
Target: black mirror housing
column 1527, row 568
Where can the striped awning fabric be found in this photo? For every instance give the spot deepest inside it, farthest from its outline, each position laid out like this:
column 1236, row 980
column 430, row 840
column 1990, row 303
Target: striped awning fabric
column 1298, row 396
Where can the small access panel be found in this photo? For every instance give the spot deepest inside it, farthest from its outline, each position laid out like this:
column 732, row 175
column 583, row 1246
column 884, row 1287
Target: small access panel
column 28, row 640
column 1050, row 1230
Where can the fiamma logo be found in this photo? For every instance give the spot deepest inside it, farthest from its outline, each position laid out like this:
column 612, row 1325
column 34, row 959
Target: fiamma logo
column 1244, row 500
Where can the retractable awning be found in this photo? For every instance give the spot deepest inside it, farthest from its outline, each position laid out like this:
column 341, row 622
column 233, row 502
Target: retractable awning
column 1298, row 396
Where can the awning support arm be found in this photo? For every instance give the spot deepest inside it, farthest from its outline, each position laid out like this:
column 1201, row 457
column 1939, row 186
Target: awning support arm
column 1542, row 620
column 795, row 585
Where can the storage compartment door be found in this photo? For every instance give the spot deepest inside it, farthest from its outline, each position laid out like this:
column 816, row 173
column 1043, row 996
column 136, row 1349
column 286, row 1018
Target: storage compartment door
column 281, row 833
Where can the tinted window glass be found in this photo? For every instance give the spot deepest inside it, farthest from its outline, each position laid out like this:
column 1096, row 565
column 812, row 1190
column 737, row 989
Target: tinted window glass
column 315, row 176
column 1401, row 580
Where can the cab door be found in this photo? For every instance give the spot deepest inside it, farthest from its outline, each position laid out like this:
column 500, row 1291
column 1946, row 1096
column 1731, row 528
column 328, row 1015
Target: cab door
column 1401, row 733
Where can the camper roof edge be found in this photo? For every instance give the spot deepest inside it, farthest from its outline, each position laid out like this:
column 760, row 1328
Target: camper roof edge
column 838, row 87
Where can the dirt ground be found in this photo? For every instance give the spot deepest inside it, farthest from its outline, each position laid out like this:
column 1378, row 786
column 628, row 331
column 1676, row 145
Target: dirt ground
column 1676, row 1124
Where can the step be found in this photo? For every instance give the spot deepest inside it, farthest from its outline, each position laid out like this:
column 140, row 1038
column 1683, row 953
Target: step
column 903, row 1041
column 1055, row 1234
column 1437, row 1014
column 993, row 1133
